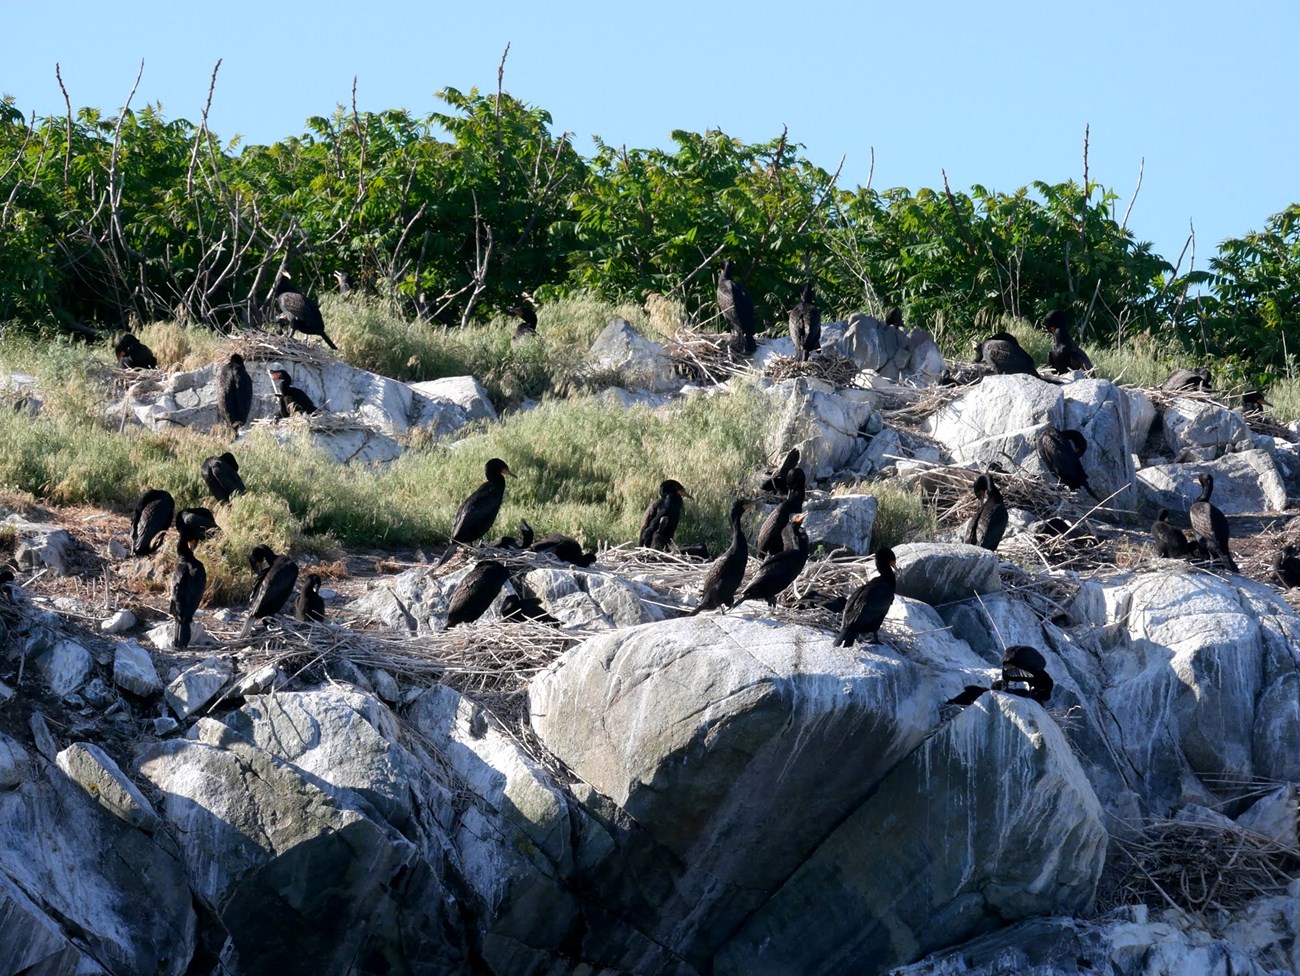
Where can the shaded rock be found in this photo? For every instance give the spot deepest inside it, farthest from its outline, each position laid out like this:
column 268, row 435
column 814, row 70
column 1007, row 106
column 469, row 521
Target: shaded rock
column 1141, row 415
column 638, row 361
column 464, row 391
column 840, row 521
column 264, row 679
column 990, row 819
column 38, row 545
column 940, row 573
column 15, row 762
column 1274, row 815
column 876, row 346
column 829, row 428
column 94, row 771
column 1247, row 481
column 197, row 685
column 133, row 670
column 66, row 666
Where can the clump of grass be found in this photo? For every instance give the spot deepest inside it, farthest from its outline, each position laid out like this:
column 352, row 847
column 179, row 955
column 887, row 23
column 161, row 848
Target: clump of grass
column 178, row 347
column 248, row 520
column 900, row 516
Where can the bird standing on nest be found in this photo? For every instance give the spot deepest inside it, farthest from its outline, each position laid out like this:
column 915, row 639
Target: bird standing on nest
column 1171, row 541
column 275, row 581
column 476, row 514
column 309, row 607
column 1061, row 452
column 288, row 398
column 1003, row 353
column 131, row 353
column 771, row 535
column 737, row 308
column 724, row 576
column 299, row 312
column 1210, row 524
column 806, row 325
column 1065, row 354
column 779, row 571
column 659, row 524
column 777, row 482
column 475, row 593
column 990, row 522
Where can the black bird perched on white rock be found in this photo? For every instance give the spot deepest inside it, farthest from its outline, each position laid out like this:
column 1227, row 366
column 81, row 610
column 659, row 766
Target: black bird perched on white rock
column 737, row 308
column 475, row 593
column 288, row 398
column 299, row 312
column 1024, row 673
column 1003, row 353
column 221, row 475
column 234, row 392
column 476, row 514
column 806, row 325
column 1209, row 524
column 189, row 580
column 990, row 522
column 149, row 523
column 1061, row 452
column 869, row 604
column 779, row 571
column 276, row 578
column 1065, row 354
column 726, row 573
column 659, row 524
column 131, row 353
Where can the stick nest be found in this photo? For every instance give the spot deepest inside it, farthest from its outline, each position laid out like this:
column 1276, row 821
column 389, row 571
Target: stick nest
column 837, row 370
column 705, row 358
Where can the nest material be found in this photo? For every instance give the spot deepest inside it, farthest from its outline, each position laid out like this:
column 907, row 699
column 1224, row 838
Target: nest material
column 840, row 371
column 705, row 358
column 265, row 347
column 1195, row 867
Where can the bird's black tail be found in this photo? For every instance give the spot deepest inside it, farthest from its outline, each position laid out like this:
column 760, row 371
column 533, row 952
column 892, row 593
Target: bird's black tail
column 446, row 554
column 329, row 342
column 182, row 636
column 842, row 639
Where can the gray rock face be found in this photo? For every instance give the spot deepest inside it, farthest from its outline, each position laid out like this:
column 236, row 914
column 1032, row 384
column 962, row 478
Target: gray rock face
column 829, row 428
column 1197, row 430
column 197, row 685
column 940, row 573
column 38, row 545
column 1244, row 482
column 66, row 666
column 939, row 850
column 133, row 670
column 464, row 391
column 885, row 350
column 840, row 521
column 639, row 362
column 95, row 772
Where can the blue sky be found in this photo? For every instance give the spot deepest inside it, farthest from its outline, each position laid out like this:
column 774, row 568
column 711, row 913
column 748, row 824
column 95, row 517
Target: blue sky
column 995, row 93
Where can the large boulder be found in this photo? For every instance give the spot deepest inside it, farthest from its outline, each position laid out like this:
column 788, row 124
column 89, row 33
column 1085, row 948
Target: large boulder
column 840, row 521
column 1247, row 481
column 990, row 820
column 940, row 573
column 829, row 427
column 636, row 360
column 464, row 391
column 1200, row 430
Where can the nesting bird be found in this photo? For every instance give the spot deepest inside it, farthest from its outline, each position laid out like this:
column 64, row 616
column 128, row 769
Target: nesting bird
column 726, row 573
column 659, row 524
column 770, row 536
column 476, row 514
column 1024, row 673
column 990, row 522
column 1065, row 354
column 1209, row 524
column 149, row 523
column 221, row 475
column 1189, row 380
column 234, row 392
column 276, row 576
column 309, row 607
column 475, row 593
column 563, row 547
column 131, row 353
column 869, row 604
column 527, row 327
column 778, row 481
column 1061, row 452
column 1171, row 541
column 806, row 325
column 1286, row 566
column 737, row 308
column 1002, row 352
column 288, row 398
column 299, row 312
column 779, row 571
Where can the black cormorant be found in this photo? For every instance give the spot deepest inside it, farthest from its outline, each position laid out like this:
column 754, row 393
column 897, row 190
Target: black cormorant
column 773, row 528
column 563, row 547
column 288, row 397
column 1024, row 673
column 6, row 584
column 475, row 593
column 724, row 576
column 894, row 317
column 234, row 392
column 1171, row 541
column 990, row 522
column 806, row 325
column 309, row 607
column 1060, row 451
column 737, row 308
column 1001, row 351
column 527, row 315
column 198, row 522
column 779, row 571
column 1286, row 567
column 659, row 523
column 276, row 578
column 969, row 695
column 189, row 580
column 221, row 474
column 869, row 604
column 1209, row 524
column 1189, row 380
column 1065, row 354
column 151, row 520
column 477, row 512
column 131, row 353
column 777, row 482
column 299, row 312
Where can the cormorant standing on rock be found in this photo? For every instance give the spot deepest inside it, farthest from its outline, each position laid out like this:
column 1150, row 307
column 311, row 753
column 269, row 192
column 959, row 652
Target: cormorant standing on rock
column 770, row 536
column 1024, row 673
column 1189, row 380
column 273, row 588
column 1171, row 541
column 1065, row 355
column 724, row 576
column 299, row 312
column 779, row 571
column 869, row 604
column 189, row 580
column 659, row 523
column 288, row 397
column 476, row 514
column 778, row 482
column 150, row 521
column 1060, row 452
column 806, row 325
column 309, row 607
column 234, row 392
column 1002, row 352
column 475, row 593
column 221, row 474
column 131, row 353
column 737, row 308
column 1286, row 567
column 990, row 522
column 1209, row 524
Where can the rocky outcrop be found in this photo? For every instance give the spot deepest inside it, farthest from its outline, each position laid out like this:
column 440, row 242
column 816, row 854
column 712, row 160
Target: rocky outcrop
column 1244, row 482
column 830, row 427
column 634, row 360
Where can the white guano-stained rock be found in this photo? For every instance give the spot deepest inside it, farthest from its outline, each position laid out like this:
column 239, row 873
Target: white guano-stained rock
column 133, row 670
column 1247, row 481
column 197, row 685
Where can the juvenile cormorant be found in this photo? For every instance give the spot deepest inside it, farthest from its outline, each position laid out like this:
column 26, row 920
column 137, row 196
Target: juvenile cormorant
column 770, row 540
column 477, row 512
column 737, row 308
column 1171, row 541
column 779, row 571
column 1189, row 380
column 234, row 392
column 309, row 607
column 990, row 522
column 131, row 353
column 1286, row 567
column 475, row 593
column 806, row 325
column 724, row 576
column 659, row 523
column 1003, row 353
column 1060, row 451
column 152, row 518
column 1024, row 673
column 1209, row 524
column 275, row 582
column 869, row 604
column 189, row 580
column 563, row 547
column 777, row 482
column 299, row 312
column 1065, row 354
column 288, row 397
column 221, row 474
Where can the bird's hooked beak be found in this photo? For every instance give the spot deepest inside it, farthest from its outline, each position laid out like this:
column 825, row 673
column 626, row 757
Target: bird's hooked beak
column 798, row 519
column 508, row 473
column 685, row 494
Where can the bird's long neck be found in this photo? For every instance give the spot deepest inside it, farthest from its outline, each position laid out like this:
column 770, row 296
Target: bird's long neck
column 738, row 540
column 1206, row 488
